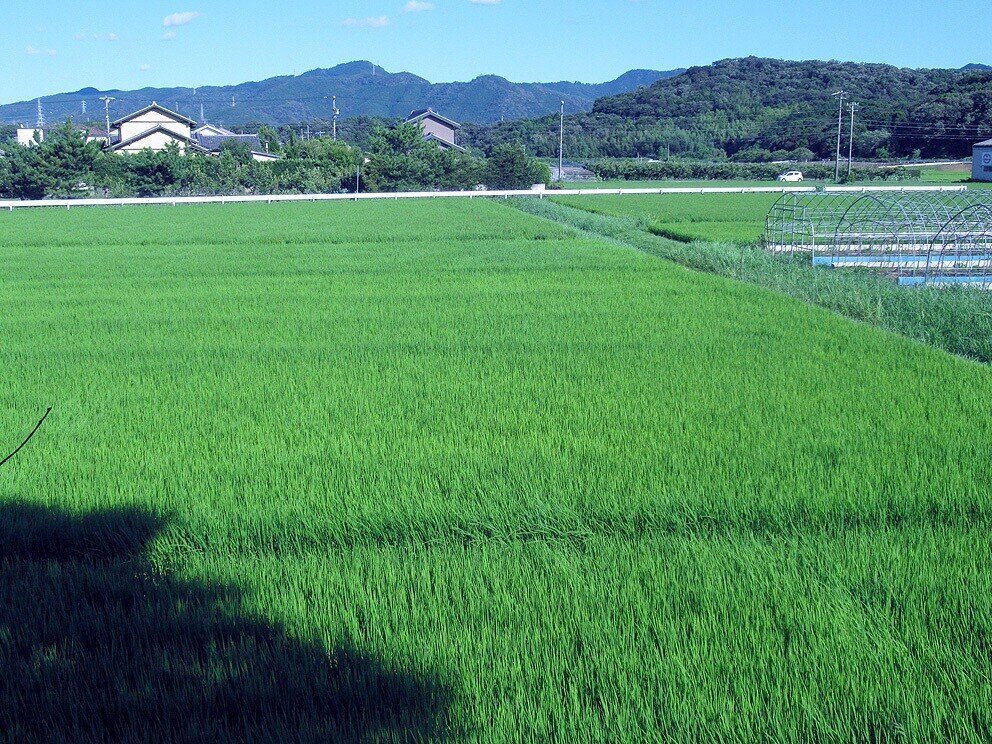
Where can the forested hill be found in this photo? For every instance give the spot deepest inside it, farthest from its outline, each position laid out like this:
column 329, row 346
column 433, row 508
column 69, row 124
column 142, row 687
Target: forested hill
column 756, row 108
column 362, row 89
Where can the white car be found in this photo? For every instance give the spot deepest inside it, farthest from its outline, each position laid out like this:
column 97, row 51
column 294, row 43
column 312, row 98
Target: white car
column 791, row 177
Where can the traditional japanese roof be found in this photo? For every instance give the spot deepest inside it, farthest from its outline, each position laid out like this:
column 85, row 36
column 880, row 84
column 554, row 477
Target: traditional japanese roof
column 430, row 137
column 192, row 144
column 214, row 143
column 422, row 114
column 986, row 143
column 221, row 131
column 155, row 107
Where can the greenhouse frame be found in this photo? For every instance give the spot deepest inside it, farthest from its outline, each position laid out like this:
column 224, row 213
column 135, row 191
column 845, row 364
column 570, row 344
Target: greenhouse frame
column 934, row 238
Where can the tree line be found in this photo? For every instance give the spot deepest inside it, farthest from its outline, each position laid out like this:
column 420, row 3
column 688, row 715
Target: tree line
column 695, row 170
column 397, row 158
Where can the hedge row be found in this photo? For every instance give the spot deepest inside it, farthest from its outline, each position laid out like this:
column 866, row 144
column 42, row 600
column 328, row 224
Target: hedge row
column 689, row 170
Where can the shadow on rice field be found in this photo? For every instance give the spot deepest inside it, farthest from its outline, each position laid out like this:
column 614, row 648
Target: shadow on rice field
column 99, row 645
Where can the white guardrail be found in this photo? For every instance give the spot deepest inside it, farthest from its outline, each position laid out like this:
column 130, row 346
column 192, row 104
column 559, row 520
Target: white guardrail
column 11, row 205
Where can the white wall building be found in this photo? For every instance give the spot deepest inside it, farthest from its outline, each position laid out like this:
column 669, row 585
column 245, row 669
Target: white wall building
column 156, row 127
column 153, row 128
column 981, row 161
column 212, row 130
column 27, row 136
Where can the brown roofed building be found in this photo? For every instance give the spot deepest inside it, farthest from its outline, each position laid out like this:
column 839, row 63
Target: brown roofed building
column 437, row 128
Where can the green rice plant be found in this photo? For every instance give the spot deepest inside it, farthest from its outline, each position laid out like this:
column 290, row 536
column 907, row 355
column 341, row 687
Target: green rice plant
column 738, row 218
column 445, row 470
column 958, row 320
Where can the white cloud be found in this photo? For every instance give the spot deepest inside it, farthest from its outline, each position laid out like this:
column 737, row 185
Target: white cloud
column 378, row 22
column 97, row 37
column 169, row 35
column 32, row 50
column 51, row 53
column 485, row 2
column 180, row 19
column 145, row 68
column 417, row 6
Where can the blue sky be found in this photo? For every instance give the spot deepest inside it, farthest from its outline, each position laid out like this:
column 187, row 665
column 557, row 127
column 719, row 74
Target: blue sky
column 50, row 47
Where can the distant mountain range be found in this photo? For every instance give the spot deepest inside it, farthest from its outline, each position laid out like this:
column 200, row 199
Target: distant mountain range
column 762, row 109
column 362, row 89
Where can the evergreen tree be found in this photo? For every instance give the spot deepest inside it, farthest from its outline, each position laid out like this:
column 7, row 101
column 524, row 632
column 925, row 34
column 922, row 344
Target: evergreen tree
column 510, row 167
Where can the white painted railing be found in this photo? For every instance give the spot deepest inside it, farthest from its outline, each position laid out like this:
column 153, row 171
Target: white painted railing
column 11, row 205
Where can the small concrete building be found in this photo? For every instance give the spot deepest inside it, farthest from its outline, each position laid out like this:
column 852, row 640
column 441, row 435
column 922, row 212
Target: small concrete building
column 436, row 128
column 981, row 161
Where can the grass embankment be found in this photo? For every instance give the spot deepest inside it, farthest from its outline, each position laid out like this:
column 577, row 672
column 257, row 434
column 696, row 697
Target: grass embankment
column 381, row 472
column 957, row 320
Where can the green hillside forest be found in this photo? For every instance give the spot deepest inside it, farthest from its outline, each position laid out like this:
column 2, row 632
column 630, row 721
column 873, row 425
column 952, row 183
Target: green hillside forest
column 755, row 108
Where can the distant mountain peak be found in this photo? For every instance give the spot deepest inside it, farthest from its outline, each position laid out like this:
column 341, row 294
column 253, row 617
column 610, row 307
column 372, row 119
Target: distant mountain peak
column 362, row 88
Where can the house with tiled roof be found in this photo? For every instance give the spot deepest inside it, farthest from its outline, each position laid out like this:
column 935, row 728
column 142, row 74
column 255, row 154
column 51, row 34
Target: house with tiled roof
column 212, row 130
column 153, row 128
column 436, row 128
column 156, row 128
column 214, row 143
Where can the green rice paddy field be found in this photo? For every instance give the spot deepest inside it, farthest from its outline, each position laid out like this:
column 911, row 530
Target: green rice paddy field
column 447, row 471
column 738, row 218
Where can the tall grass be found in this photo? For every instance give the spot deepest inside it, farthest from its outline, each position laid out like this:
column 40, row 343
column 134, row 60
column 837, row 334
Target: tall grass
column 461, row 472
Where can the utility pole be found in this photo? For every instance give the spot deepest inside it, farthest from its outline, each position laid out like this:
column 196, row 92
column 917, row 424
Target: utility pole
column 106, row 108
column 850, row 148
column 840, row 96
column 337, row 112
column 41, row 116
column 203, row 118
column 561, row 145
column 84, row 108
